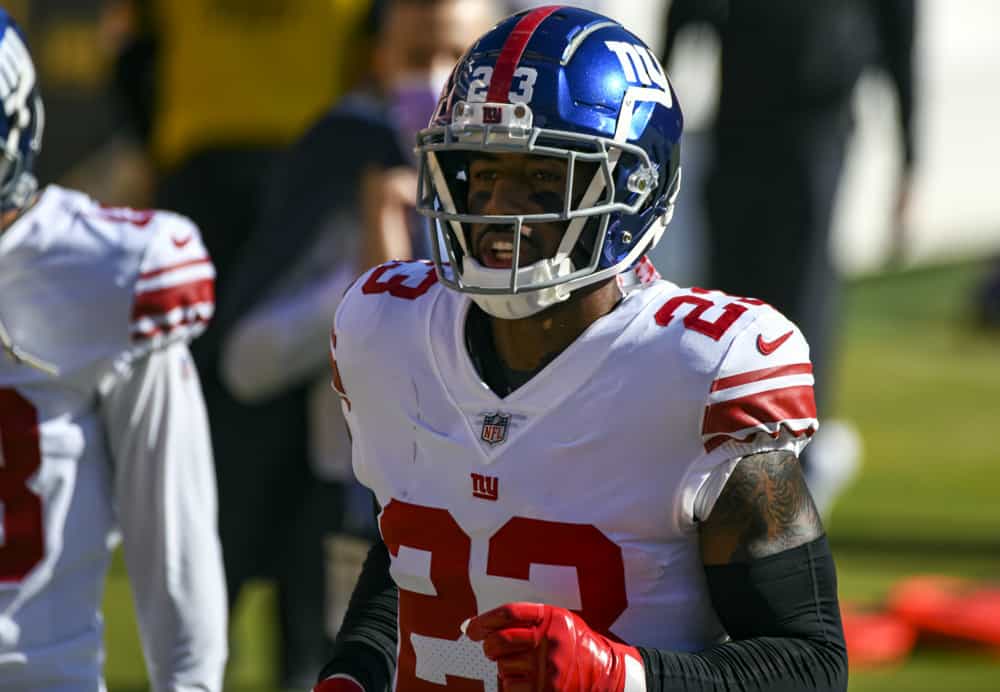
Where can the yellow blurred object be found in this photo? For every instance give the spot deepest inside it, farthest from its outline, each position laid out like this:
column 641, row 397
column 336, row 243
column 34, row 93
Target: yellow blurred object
column 251, row 72
column 67, row 55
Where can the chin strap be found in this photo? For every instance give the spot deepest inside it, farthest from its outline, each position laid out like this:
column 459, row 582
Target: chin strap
column 16, row 354
column 514, row 306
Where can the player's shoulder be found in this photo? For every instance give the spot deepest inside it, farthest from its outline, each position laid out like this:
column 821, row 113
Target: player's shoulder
column 157, row 259
column 744, row 363
column 108, row 280
column 174, row 287
column 387, row 297
column 712, row 331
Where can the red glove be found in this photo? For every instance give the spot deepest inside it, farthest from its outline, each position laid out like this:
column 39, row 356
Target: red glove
column 339, row 683
column 541, row 648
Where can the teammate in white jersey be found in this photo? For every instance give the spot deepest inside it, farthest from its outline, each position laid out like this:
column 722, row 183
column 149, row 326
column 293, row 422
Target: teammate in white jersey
column 102, row 424
column 587, row 477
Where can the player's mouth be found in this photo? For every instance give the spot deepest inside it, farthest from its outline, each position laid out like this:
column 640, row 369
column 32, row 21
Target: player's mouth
column 496, row 250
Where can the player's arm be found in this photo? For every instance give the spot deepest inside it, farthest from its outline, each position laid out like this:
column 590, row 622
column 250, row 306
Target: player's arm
column 772, row 581
column 768, row 566
column 164, row 486
column 280, row 343
column 164, row 476
column 364, row 655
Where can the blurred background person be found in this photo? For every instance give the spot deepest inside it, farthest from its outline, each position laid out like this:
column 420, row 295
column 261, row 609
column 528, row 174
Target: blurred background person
column 778, row 145
column 339, row 200
column 216, row 90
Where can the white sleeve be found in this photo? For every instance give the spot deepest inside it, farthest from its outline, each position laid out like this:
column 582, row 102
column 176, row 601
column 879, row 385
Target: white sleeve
column 174, row 292
column 760, row 400
column 164, row 486
column 283, row 341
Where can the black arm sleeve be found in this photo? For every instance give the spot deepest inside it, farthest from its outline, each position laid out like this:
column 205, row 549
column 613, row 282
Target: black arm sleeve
column 366, row 644
column 783, row 618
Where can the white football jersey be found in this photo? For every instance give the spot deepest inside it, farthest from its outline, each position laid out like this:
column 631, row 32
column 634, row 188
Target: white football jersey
column 580, row 489
column 91, row 292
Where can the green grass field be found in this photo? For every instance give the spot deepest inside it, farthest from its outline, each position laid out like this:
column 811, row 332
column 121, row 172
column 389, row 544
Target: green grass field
column 924, row 388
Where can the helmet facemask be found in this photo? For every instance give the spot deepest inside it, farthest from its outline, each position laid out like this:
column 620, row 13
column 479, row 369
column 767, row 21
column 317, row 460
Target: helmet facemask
column 604, row 180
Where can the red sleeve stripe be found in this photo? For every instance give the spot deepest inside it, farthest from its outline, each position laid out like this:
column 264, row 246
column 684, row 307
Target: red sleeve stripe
column 763, row 374
column 760, row 410
column 746, row 390
column 183, row 275
column 335, row 382
column 512, row 50
column 173, row 267
column 161, row 302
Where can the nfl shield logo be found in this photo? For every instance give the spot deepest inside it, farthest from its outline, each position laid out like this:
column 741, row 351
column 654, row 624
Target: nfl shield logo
column 495, row 428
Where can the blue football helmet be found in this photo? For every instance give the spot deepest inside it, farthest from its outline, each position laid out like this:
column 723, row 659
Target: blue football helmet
column 560, row 82
column 23, row 117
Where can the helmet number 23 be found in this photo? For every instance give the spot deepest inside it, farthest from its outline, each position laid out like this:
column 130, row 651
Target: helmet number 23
column 522, row 86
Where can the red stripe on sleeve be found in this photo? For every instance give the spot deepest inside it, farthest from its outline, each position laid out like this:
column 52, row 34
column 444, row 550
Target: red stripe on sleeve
column 172, row 267
column 513, row 49
column 336, row 382
column 763, row 374
column 162, row 301
column 760, row 409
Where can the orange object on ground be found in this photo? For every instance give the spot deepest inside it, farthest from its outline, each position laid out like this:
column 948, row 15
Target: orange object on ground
column 959, row 610
column 876, row 638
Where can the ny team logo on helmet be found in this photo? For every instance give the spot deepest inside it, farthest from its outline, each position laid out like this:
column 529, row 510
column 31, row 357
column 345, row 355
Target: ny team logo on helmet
column 23, row 116
column 567, row 83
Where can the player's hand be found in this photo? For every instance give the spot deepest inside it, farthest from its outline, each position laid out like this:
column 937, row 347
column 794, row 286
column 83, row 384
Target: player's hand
column 541, row 648
column 339, row 683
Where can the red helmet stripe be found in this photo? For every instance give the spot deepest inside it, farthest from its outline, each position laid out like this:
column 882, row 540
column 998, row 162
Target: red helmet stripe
column 513, row 49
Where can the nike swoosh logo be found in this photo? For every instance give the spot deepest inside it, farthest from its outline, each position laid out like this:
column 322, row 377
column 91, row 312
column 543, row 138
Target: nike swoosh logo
column 183, row 241
column 766, row 348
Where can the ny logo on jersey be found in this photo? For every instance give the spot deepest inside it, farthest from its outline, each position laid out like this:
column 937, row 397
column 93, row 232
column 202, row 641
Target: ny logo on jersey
column 495, row 428
column 485, row 487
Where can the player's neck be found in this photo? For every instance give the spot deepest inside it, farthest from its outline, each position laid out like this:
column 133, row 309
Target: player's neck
column 8, row 217
column 525, row 343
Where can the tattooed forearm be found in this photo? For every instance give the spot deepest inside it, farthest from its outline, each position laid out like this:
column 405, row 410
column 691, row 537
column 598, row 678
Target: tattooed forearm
column 764, row 509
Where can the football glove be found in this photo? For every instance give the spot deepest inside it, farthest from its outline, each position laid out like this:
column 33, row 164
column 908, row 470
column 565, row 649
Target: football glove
column 541, row 648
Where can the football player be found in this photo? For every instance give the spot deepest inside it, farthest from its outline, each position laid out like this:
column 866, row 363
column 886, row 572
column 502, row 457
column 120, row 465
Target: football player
column 587, row 477
column 102, row 424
